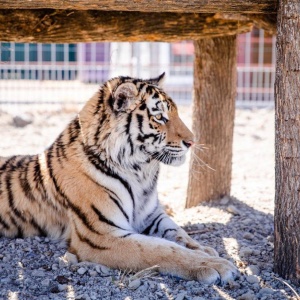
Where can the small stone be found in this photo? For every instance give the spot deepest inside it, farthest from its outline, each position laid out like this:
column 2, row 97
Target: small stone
column 233, row 285
column 54, row 267
column 252, row 279
column 152, row 285
column 71, row 258
column 224, row 200
column 266, row 291
column 266, row 274
column 62, row 279
column 245, row 251
column 6, row 258
column 81, row 271
column 45, row 282
column 38, row 273
column 256, row 252
column 247, row 296
column 133, row 285
column 270, row 238
column 22, row 120
column 247, row 221
column 62, row 263
column 54, row 289
column 181, row 296
column 62, row 287
column 94, row 296
column 68, row 259
column 92, row 273
column 252, row 270
column 248, row 236
column 233, row 210
column 102, row 269
column 143, row 288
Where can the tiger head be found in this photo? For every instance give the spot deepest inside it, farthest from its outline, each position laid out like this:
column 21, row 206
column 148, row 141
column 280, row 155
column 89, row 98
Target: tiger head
column 138, row 119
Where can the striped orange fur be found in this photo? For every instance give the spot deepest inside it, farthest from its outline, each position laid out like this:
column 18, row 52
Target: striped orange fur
column 95, row 186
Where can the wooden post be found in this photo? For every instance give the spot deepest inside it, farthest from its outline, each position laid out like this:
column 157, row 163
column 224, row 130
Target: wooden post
column 213, row 118
column 287, row 142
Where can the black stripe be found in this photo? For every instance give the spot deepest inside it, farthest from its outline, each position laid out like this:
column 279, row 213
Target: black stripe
column 20, row 233
column 3, row 223
column 63, row 201
column 36, row 226
column 69, row 204
column 143, row 138
column 88, row 241
column 60, row 148
column 110, row 192
column 140, row 120
column 119, row 206
column 11, row 203
column 95, row 160
column 38, row 181
column 149, row 89
column 166, row 231
column 147, row 230
column 143, row 106
column 100, row 102
column 121, row 155
column 100, row 123
column 126, row 235
column 26, row 188
column 104, row 219
column 38, row 178
column 127, row 127
column 114, row 198
column 74, row 130
column 10, row 160
column 157, row 225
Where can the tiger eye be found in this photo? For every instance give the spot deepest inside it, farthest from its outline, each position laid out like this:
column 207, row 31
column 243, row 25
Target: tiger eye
column 158, row 117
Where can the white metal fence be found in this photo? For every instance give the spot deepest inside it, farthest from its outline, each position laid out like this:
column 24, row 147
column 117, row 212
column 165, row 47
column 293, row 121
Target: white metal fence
column 70, row 73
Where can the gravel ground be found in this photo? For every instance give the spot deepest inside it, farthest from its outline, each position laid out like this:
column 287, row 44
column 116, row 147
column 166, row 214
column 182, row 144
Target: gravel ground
column 240, row 228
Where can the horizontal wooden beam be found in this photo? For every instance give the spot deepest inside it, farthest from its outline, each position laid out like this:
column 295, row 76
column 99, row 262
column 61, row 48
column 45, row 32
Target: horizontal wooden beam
column 68, row 26
column 182, row 6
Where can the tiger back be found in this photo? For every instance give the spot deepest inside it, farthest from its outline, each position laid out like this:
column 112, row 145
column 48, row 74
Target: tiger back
column 96, row 185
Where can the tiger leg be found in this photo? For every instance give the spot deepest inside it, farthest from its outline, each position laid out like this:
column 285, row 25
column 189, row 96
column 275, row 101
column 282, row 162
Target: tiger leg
column 132, row 251
column 161, row 225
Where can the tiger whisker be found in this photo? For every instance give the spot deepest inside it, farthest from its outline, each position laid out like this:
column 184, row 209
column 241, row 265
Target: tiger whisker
column 200, row 162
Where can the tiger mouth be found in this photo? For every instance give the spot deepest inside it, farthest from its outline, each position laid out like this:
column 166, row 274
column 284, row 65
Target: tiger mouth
column 170, row 157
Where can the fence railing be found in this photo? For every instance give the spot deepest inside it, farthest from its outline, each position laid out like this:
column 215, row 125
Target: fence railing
column 71, row 73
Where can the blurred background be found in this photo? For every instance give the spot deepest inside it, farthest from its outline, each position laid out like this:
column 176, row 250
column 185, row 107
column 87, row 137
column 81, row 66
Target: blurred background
column 52, row 75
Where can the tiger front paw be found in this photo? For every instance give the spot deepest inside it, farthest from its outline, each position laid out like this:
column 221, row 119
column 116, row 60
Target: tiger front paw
column 215, row 271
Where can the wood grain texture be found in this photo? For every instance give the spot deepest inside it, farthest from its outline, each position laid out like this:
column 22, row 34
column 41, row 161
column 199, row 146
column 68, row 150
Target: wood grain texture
column 182, row 6
column 287, row 142
column 213, row 118
column 65, row 26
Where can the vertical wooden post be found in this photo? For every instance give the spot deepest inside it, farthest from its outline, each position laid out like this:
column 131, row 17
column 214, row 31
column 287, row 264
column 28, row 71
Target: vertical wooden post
column 287, row 142
column 213, row 118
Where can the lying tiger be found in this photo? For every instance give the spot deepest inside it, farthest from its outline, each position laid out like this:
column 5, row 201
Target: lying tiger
column 95, row 186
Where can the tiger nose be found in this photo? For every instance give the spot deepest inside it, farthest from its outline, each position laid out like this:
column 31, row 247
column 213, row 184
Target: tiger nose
column 188, row 143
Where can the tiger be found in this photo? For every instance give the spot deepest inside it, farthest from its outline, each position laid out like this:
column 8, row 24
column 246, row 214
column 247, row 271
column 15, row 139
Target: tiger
column 95, row 186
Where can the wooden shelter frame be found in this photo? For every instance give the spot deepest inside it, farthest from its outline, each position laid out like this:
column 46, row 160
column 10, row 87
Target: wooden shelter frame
column 212, row 24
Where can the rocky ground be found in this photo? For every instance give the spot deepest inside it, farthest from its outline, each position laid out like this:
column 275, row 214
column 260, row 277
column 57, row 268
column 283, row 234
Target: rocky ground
column 239, row 227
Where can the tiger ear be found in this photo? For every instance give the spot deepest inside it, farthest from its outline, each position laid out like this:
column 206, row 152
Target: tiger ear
column 158, row 80
column 125, row 97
